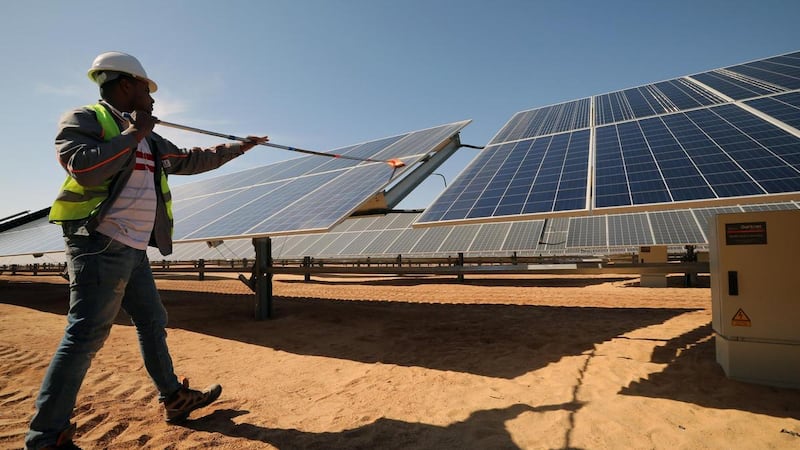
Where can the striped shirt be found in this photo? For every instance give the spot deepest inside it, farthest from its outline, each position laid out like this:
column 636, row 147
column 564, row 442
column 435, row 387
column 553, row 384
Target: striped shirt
column 130, row 219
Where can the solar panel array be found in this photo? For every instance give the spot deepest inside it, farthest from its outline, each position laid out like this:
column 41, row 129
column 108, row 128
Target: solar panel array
column 390, row 235
column 37, row 236
column 691, row 146
column 304, row 194
column 689, row 139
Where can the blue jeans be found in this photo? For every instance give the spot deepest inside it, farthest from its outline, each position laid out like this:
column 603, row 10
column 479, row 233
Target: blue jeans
column 104, row 276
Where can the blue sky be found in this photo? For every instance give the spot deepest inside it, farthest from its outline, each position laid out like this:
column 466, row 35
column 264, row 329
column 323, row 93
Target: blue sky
column 325, row 74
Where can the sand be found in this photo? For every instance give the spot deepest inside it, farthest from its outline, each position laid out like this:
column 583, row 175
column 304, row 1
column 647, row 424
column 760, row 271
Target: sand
column 540, row 362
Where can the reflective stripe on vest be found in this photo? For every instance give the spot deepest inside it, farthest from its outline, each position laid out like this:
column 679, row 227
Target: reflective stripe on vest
column 76, row 202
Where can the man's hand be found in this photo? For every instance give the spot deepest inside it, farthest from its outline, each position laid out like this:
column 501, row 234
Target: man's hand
column 252, row 141
column 142, row 124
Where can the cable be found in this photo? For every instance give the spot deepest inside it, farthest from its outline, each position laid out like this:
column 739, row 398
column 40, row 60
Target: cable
column 95, row 253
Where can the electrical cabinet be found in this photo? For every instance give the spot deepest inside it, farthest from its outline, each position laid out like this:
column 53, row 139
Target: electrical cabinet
column 755, row 290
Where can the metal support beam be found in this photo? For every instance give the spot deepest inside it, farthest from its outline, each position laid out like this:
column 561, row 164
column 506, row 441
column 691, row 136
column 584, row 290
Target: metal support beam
column 263, row 277
column 399, row 191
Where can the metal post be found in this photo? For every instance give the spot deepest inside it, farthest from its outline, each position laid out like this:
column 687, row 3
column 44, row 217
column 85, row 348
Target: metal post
column 263, row 276
column 460, row 265
column 201, row 269
column 307, row 266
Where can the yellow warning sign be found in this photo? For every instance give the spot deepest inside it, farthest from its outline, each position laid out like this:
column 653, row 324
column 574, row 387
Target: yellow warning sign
column 740, row 319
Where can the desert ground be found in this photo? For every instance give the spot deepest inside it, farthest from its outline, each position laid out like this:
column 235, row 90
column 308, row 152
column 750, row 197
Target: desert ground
column 508, row 362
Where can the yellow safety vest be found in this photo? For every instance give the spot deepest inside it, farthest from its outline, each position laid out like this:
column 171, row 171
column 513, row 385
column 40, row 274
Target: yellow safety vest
column 76, row 202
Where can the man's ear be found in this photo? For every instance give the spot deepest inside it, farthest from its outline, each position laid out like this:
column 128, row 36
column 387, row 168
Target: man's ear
column 125, row 85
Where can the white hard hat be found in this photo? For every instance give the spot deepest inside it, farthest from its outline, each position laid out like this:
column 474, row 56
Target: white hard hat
column 118, row 62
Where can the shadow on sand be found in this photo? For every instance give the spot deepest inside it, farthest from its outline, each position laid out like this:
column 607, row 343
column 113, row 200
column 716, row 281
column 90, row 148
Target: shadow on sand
column 496, row 340
column 481, row 430
column 691, row 363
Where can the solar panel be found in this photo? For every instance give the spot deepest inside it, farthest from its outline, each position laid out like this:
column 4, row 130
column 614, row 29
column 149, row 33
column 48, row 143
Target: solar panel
column 587, row 232
column 703, row 154
column 554, row 236
column 705, row 216
column 784, row 107
column 543, row 174
column 381, row 244
column 666, row 143
column 378, row 236
column 362, row 241
column 653, row 99
column 405, row 241
column 309, row 193
column 675, row 227
column 37, row 236
column 490, row 237
column 340, row 242
column 626, row 230
column 304, row 245
column 542, row 121
column 770, row 207
column 459, row 239
column 523, row 235
column 764, row 77
column 431, row 240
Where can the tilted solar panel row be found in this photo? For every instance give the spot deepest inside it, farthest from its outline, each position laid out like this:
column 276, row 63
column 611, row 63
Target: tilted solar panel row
column 675, row 142
column 564, row 235
column 390, row 235
column 303, row 194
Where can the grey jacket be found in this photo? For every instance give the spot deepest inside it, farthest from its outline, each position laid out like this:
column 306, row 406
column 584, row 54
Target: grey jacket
column 91, row 160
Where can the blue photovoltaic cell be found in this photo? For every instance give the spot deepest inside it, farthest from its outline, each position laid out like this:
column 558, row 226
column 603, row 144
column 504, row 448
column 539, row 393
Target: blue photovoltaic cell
column 542, row 121
column 538, row 175
column 784, row 107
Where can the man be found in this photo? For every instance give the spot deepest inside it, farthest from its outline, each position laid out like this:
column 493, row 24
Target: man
column 114, row 203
